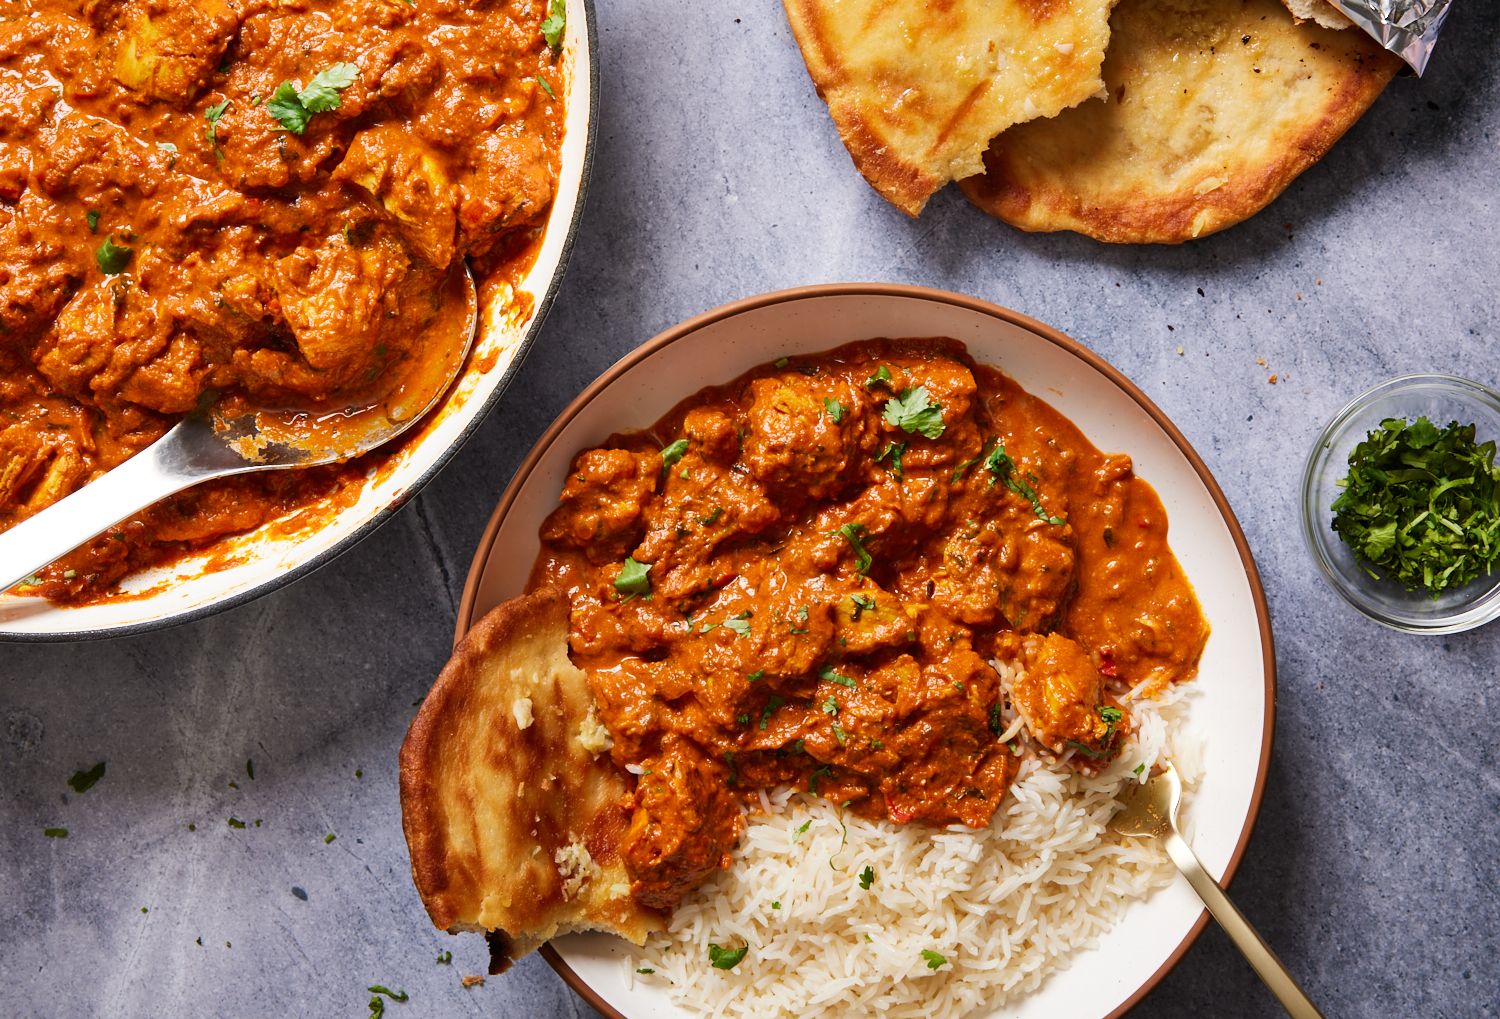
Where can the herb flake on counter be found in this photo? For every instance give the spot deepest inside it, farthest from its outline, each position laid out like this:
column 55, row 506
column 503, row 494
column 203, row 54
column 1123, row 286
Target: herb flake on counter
column 554, row 24
column 1421, row 505
column 633, row 577
column 913, row 411
column 933, row 959
column 834, row 408
column 293, row 107
column 393, row 995
column 726, row 958
column 235, row 822
column 55, row 833
column 83, row 781
column 329, row 838
column 112, row 258
column 445, row 958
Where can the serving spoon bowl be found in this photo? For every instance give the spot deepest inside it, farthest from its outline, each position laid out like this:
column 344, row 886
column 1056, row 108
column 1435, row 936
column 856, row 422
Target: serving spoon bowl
column 1150, row 809
column 211, row 444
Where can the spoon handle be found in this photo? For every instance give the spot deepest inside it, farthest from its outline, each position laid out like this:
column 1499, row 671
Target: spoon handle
column 1259, row 954
column 151, row 475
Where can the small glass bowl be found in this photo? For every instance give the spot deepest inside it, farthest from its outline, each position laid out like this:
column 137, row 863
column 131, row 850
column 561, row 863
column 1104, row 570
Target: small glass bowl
column 1442, row 398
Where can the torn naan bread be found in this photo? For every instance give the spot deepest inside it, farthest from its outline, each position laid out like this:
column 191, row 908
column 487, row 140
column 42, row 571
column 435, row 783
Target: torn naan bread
column 1213, row 108
column 509, row 799
column 917, row 88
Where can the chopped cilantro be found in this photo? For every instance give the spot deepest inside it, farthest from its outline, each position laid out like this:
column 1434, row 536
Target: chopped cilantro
column 776, row 904
column 93, row 220
column 235, row 822
column 877, row 744
column 1111, row 714
column 1002, row 468
column 882, row 376
column 1421, row 505
column 895, row 450
column 840, row 734
column 995, row 719
column 55, row 833
column 867, row 877
column 646, row 970
column 834, row 408
column 961, row 469
column 329, row 838
column 726, row 958
column 555, row 23
column 834, row 677
column 673, row 452
column 112, row 257
column 292, row 106
column 713, row 517
column 933, row 959
column 739, row 626
column 211, row 133
column 1139, row 768
column 852, row 533
column 914, row 411
column 83, row 781
column 862, row 604
column 802, row 830
column 769, row 710
column 445, row 958
column 756, row 675
column 393, row 995
column 782, row 362
column 830, row 707
column 546, row 86
column 633, row 577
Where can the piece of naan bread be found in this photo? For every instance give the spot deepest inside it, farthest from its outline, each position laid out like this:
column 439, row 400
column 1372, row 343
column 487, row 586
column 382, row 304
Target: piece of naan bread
column 1213, row 108
column 1320, row 11
column 510, row 802
column 917, row 88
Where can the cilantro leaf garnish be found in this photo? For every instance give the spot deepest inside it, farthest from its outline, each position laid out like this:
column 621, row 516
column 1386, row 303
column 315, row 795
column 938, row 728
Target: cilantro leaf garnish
column 725, row 958
column 867, row 877
column 1003, row 468
column 830, row 707
column 862, row 604
column 757, row 674
column 211, row 133
column 740, row 624
column 770, row 709
column 895, row 450
column 933, row 959
column 112, row 257
column 852, row 533
column 83, row 781
column 556, row 21
column 634, row 577
column 293, row 106
column 840, row 734
column 882, row 376
column 834, row 408
column 92, row 216
column 912, row 410
column 547, row 88
column 1421, row 505
column 672, row 452
column 834, row 677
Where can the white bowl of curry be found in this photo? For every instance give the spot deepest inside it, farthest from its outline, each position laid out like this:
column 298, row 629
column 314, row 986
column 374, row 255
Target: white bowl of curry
column 200, row 201
column 773, row 337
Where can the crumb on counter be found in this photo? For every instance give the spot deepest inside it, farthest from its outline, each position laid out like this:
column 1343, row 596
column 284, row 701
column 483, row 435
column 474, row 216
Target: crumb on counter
column 474, row 980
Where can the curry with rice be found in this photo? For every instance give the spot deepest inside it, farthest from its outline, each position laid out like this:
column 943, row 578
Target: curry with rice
column 244, row 201
column 803, row 578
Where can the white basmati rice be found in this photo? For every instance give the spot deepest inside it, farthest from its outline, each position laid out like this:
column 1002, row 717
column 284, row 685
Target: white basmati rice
column 1005, row 907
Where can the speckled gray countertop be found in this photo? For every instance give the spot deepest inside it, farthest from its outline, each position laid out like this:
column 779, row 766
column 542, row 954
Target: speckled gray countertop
column 1373, row 870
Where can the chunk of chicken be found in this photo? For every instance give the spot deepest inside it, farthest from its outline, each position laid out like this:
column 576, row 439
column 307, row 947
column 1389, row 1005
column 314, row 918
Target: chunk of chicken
column 169, row 51
column 794, row 446
column 406, row 180
column 602, row 501
column 1061, row 696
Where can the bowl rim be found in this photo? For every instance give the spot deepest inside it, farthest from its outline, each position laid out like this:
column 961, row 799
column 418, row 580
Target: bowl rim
column 280, row 579
column 464, row 617
column 1462, row 620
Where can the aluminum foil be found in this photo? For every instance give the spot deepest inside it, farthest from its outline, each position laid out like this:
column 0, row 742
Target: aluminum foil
column 1408, row 28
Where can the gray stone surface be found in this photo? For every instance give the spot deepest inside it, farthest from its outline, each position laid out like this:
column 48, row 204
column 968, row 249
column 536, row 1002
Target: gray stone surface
column 718, row 175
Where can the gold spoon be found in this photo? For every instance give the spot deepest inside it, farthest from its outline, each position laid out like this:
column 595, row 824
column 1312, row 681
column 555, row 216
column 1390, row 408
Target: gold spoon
column 212, row 444
column 1151, row 809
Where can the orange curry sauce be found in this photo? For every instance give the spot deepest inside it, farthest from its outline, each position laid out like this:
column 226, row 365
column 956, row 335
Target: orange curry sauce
column 837, row 546
column 167, row 237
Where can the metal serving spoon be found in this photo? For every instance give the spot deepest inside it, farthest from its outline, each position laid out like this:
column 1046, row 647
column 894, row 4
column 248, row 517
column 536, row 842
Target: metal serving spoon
column 209, row 445
column 1151, row 809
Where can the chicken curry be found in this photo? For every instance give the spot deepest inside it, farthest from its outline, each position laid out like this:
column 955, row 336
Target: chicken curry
column 803, row 577
column 247, row 200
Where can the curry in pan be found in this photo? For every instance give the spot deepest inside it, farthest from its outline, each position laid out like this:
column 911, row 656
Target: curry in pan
column 802, row 578
column 243, row 200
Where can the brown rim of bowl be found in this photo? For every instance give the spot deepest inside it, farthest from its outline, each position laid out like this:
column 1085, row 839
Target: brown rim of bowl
column 1046, row 332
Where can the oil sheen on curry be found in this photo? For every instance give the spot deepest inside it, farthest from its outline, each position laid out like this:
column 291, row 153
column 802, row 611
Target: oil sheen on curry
column 801, row 578
column 245, row 200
